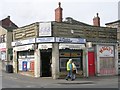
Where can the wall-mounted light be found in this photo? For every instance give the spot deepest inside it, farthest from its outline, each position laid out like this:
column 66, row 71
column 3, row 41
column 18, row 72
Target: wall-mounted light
column 89, row 44
column 72, row 31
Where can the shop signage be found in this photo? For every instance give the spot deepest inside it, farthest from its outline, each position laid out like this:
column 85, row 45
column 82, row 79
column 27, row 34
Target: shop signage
column 23, row 42
column 45, row 29
column 70, row 40
column 45, row 46
column 106, row 51
column 2, row 46
column 71, row 46
column 46, row 39
column 2, row 49
column 23, row 48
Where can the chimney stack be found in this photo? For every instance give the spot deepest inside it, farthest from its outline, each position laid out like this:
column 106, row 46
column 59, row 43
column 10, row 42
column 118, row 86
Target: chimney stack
column 58, row 13
column 96, row 21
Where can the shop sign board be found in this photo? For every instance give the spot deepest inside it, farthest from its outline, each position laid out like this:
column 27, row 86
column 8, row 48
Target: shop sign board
column 46, row 39
column 23, row 48
column 70, row 40
column 106, row 51
column 71, row 46
column 45, row 29
column 23, row 42
column 2, row 46
column 45, row 46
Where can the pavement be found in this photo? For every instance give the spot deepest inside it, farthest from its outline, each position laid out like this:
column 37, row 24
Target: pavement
column 60, row 81
column 13, row 80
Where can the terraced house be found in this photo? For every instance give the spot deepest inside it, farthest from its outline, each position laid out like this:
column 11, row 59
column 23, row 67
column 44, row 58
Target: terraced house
column 42, row 49
column 6, row 28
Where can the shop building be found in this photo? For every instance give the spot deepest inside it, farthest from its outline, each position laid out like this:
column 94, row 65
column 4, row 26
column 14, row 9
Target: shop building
column 116, row 24
column 6, row 27
column 42, row 49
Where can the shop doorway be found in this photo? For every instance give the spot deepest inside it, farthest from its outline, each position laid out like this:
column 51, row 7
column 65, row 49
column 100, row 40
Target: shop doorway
column 46, row 56
column 91, row 63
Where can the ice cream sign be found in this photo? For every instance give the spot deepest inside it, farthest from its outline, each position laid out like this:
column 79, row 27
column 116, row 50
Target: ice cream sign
column 106, row 51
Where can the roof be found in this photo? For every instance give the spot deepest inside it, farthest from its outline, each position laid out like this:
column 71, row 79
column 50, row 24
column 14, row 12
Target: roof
column 73, row 21
column 8, row 24
column 118, row 21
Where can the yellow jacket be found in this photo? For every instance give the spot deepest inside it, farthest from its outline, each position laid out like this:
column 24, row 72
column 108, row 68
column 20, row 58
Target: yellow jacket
column 69, row 66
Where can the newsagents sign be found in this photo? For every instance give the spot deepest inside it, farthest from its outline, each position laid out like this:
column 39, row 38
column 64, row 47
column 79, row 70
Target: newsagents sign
column 23, row 42
column 61, row 40
column 70, row 40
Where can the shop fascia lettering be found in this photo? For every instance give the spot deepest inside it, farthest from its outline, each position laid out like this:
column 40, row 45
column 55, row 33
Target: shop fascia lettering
column 61, row 39
column 70, row 40
column 104, row 48
column 49, row 39
column 2, row 46
column 71, row 46
column 65, row 40
column 23, row 42
column 106, row 51
column 25, row 47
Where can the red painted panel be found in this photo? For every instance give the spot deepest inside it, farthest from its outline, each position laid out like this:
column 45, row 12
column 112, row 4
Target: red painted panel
column 91, row 63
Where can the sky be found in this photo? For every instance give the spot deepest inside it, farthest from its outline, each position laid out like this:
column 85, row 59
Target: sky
column 25, row 12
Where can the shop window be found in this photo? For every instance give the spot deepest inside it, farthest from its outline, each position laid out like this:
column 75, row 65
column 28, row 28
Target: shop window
column 63, row 62
column 26, row 54
column 30, row 54
column 3, row 55
column 64, row 54
column 75, row 55
column 3, row 38
column 22, row 54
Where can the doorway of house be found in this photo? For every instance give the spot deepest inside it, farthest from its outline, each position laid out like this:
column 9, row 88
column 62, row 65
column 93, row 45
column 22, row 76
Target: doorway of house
column 46, row 56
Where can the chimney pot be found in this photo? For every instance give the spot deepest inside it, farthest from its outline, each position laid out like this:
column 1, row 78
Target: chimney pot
column 59, row 4
column 97, row 14
column 96, row 21
column 8, row 17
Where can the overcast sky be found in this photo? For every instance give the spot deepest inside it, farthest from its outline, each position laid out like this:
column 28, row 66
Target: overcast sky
column 24, row 12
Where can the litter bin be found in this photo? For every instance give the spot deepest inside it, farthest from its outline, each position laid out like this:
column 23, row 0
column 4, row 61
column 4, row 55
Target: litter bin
column 9, row 68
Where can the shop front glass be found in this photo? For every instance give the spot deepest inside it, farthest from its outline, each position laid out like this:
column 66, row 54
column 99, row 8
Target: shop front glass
column 75, row 55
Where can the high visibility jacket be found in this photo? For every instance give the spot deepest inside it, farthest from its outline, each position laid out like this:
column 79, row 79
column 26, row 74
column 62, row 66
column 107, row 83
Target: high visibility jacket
column 69, row 66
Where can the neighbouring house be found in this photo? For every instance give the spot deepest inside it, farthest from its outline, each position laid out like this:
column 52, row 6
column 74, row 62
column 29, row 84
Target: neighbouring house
column 6, row 33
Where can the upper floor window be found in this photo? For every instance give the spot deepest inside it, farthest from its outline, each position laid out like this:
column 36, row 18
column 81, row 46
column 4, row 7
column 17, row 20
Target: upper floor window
column 2, row 38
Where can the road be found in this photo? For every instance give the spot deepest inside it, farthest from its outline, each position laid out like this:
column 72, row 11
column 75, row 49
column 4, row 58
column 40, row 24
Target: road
column 12, row 80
